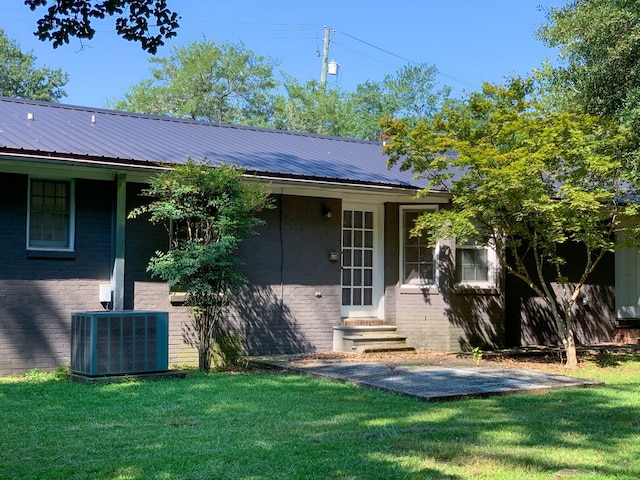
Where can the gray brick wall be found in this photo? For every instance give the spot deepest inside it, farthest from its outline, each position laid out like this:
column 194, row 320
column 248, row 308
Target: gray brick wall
column 38, row 294
column 439, row 318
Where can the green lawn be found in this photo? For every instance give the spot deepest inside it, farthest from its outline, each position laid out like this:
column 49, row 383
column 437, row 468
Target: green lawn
column 276, row 426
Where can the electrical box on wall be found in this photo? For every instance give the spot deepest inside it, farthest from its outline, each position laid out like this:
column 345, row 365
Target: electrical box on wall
column 105, row 293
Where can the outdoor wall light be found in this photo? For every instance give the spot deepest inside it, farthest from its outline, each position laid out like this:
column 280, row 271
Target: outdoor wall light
column 326, row 212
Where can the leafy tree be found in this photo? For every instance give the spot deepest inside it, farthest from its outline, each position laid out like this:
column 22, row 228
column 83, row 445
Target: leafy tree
column 526, row 180
column 149, row 22
column 208, row 212
column 20, row 78
column 310, row 108
column 599, row 42
column 409, row 93
column 207, row 81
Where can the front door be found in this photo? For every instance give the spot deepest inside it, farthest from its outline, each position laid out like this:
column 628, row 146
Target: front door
column 361, row 272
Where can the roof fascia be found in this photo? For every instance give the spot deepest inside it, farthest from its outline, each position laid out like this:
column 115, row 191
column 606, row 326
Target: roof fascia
column 108, row 170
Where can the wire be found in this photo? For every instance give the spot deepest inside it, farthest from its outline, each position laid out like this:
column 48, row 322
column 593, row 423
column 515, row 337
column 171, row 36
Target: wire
column 405, row 59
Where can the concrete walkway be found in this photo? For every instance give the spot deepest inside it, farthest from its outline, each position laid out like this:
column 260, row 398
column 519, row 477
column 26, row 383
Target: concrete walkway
column 432, row 383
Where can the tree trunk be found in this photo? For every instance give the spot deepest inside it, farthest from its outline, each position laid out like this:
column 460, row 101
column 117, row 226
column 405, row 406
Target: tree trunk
column 204, row 359
column 570, row 350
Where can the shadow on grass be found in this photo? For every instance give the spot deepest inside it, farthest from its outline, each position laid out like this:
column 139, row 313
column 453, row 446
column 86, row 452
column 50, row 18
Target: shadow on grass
column 607, row 360
column 268, row 426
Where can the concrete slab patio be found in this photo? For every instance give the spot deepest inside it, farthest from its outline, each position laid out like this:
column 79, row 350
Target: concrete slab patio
column 432, row 383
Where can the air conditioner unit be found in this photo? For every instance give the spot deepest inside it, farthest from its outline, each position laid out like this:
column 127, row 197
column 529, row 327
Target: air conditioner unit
column 119, row 342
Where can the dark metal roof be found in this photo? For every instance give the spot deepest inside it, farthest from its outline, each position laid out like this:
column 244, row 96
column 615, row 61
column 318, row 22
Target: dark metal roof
column 66, row 131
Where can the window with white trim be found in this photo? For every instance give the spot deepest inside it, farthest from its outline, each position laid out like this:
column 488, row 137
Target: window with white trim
column 418, row 265
column 50, row 223
column 475, row 263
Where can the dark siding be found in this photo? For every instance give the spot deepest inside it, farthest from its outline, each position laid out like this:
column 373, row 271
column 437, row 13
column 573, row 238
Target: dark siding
column 529, row 320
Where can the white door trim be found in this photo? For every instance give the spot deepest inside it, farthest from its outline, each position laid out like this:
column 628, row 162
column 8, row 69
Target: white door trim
column 377, row 308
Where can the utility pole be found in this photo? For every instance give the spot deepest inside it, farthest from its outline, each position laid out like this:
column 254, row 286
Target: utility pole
column 325, row 59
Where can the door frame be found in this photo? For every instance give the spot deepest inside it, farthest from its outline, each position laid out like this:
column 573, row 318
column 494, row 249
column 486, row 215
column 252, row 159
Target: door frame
column 377, row 308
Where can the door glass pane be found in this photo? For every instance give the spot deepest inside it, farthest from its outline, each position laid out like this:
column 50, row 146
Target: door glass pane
column 368, row 258
column 357, row 297
column 346, row 296
column 368, row 296
column 357, row 238
column 368, row 220
column 357, row 219
column 346, row 238
column 368, row 239
column 347, row 219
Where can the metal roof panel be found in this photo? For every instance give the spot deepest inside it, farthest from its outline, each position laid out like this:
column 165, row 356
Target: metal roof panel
column 106, row 134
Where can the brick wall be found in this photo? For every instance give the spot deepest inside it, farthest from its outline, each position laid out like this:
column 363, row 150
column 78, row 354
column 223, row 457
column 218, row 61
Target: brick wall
column 439, row 318
column 292, row 299
column 38, row 294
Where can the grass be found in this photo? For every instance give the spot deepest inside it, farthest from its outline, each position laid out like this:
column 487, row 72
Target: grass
column 278, row 426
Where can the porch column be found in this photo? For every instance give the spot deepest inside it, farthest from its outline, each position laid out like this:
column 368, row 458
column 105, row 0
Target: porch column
column 117, row 276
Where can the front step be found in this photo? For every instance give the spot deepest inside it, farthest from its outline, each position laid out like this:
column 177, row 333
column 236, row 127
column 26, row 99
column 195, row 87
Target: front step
column 368, row 339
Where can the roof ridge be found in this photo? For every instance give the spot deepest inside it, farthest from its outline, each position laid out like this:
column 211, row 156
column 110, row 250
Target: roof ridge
column 123, row 113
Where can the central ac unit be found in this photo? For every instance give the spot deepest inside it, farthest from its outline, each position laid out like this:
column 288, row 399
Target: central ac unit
column 119, row 342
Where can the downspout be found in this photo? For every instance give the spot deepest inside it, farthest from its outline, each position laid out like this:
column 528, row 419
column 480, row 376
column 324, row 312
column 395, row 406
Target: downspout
column 117, row 276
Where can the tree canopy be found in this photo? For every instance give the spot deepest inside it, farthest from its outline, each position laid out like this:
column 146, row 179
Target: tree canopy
column 526, row 181
column 149, row 22
column 19, row 76
column 225, row 82
column 599, row 43
column 207, row 81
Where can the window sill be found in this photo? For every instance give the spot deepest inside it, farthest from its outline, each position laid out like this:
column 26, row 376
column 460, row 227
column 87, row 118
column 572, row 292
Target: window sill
column 470, row 289
column 54, row 254
column 419, row 289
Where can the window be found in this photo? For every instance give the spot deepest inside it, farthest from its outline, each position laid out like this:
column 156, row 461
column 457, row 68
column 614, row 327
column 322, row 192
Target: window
column 474, row 263
column 418, row 264
column 50, row 221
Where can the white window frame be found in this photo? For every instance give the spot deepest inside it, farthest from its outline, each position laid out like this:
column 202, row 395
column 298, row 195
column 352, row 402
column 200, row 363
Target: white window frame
column 71, row 227
column 419, row 282
column 490, row 282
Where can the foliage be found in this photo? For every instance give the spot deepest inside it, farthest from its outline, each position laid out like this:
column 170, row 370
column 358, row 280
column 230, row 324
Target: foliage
column 274, row 426
column 599, row 41
column 477, row 355
column 20, row 78
column 409, row 93
column 207, row 81
column 310, row 108
column 527, row 181
column 227, row 83
column 149, row 22
column 208, row 212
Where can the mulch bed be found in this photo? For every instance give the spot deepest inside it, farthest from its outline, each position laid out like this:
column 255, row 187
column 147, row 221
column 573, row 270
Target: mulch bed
column 525, row 357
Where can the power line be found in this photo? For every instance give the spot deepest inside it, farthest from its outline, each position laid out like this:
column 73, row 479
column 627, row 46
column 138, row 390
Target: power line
column 407, row 60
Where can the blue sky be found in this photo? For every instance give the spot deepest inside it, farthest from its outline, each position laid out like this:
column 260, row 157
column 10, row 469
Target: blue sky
column 469, row 41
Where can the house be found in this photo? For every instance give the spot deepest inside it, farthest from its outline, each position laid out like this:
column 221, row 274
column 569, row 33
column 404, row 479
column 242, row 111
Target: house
column 334, row 253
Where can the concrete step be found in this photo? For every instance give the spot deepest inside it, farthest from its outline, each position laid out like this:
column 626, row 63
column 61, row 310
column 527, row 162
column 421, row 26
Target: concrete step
column 368, row 338
column 383, row 347
column 390, row 337
column 363, row 322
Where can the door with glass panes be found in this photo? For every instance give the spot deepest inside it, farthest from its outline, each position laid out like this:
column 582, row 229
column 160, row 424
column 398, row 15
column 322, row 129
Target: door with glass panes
column 361, row 279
